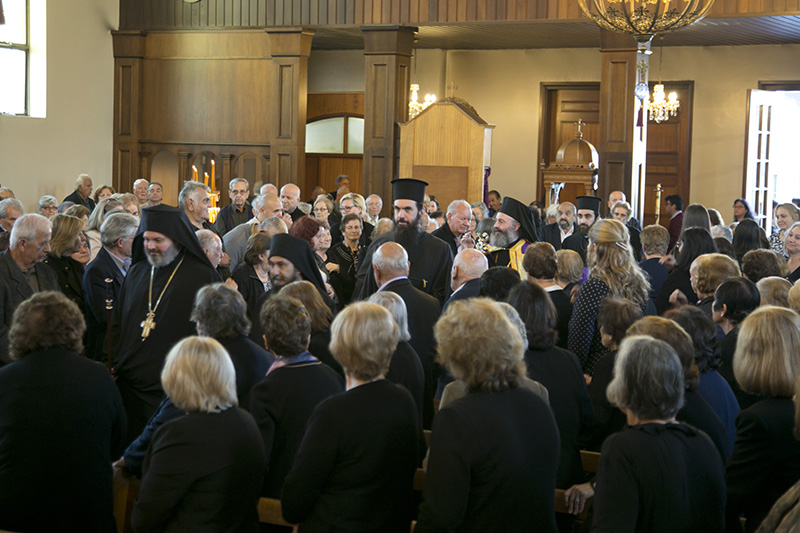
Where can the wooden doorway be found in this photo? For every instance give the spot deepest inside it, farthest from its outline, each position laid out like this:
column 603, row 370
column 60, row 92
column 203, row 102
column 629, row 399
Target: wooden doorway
column 668, row 143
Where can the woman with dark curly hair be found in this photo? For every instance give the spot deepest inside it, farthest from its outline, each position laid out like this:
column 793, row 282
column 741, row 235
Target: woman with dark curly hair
column 713, row 387
column 62, row 421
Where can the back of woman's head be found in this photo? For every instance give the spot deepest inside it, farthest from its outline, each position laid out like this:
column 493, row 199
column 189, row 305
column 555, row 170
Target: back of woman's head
column 696, row 216
column 220, row 311
column 496, row 282
column 762, row 263
column 767, row 358
column 611, row 260
column 616, row 315
column 740, row 297
column 670, row 332
column 480, row 346
column 537, row 313
column 66, row 234
column 694, row 243
column 396, row 307
column 305, row 228
column 712, row 269
column 46, row 320
column 363, row 338
column 570, row 266
column 748, row 236
column 794, row 297
column 703, row 332
column 286, row 325
column 648, row 379
column 774, row 291
column 309, row 296
column 199, row 376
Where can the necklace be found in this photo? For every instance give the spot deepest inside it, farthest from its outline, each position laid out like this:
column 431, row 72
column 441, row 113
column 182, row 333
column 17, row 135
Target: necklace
column 149, row 323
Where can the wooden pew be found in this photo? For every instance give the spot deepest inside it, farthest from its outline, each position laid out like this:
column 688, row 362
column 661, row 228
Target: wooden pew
column 590, row 460
column 269, row 512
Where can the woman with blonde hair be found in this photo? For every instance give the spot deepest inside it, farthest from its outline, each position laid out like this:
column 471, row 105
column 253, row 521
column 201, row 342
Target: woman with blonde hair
column 96, row 219
column 203, row 471
column 65, row 241
column 785, row 216
column 612, row 272
column 766, row 456
column 355, row 467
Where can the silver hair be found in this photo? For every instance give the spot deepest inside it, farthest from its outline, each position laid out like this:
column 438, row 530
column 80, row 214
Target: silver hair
column 27, row 227
column 482, row 207
column 258, row 202
column 375, row 196
column 47, row 201
column 220, row 312
column 385, row 264
column 574, row 209
column 648, row 378
column 140, row 180
column 551, row 211
column 233, row 183
column 397, row 308
column 81, row 180
column 116, row 226
column 8, row 203
column 722, row 231
column 382, row 226
column 208, row 238
column 189, row 191
column 455, row 204
column 273, row 226
column 513, row 316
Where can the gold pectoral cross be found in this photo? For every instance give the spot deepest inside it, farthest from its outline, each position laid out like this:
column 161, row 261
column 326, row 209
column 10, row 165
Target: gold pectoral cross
column 148, row 324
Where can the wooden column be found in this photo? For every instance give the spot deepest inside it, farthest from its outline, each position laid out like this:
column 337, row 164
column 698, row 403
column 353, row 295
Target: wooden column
column 129, row 49
column 623, row 144
column 289, row 48
column 387, row 53
column 227, row 175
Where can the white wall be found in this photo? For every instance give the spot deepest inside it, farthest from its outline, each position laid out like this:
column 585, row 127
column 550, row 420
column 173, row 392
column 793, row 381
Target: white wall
column 45, row 155
column 504, row 87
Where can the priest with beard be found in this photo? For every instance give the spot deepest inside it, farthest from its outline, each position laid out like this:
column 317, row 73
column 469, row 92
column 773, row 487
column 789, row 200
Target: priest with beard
column 513, row 232
column 431, row 258
column 155, row 304
column 588, row 213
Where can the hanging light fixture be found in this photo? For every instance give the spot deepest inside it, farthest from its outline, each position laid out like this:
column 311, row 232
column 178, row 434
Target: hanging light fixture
column 662, row 107
column 415, row 107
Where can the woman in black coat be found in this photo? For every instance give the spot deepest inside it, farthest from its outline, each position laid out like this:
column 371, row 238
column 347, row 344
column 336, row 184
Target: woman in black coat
column 343, row 258
column 321, row 317
column 355, row 467
column 252, row 278
column 656, row 475
column 766, row 456
column 494, row 453
column 694, row 243
column 203, row 471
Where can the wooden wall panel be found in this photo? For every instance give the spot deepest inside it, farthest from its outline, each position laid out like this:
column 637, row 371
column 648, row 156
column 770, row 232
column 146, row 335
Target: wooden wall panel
column 171, row 14
column 328, row 104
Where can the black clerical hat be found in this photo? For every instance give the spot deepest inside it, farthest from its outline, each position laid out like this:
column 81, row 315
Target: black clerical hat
column 520, row 212
column 299, row 253
column 173, row 223
column 589, row 202
column 409, row 189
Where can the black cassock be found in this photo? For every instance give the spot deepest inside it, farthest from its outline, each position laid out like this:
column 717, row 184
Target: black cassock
column 577, row 243
column 138, row 362
column 431, row 261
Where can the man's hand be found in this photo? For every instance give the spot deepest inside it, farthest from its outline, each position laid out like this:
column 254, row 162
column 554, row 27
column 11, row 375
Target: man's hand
column 576, row 497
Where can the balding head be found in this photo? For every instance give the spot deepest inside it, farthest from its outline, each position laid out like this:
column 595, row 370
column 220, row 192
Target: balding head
column 459, row 214
column 290, row 197
column 469, row 264
column 614, row 197
column 267, row 206
column 390, row 261
column 268, row 189
column 272, row 226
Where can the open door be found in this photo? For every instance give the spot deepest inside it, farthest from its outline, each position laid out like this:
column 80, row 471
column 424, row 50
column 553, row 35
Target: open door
column 759, row 188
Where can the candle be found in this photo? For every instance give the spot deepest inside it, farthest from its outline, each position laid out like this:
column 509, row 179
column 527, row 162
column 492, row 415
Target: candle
column 205, row 175
column 213, row 174
column 194, row 173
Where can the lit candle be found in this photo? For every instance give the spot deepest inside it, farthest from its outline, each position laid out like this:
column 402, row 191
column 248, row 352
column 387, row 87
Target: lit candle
column 194, row 173
column 213, row 174
column 205, row 174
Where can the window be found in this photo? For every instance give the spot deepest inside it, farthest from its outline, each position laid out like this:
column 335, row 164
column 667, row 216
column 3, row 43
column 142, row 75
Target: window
column 22, row 53
column 337, row 135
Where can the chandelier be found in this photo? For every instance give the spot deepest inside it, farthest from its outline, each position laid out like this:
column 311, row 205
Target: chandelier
column 415, row 107
column 644, row 18
column 662, row 107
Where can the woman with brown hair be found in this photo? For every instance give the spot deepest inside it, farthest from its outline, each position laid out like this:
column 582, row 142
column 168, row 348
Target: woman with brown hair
column 321, row 317
column 613, row 272
column 343, row 258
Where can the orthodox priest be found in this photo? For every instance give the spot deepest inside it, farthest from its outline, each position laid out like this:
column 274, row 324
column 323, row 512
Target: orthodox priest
column 513, row 231
column 431, row 258
column 155, row 303
column 588, row 213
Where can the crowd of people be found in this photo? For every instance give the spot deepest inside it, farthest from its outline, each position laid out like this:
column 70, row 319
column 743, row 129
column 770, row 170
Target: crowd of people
column 297, row 350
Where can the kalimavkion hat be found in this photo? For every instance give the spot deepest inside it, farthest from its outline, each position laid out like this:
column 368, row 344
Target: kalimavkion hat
column 520, row 212
column 589, row 202
column 409, row 189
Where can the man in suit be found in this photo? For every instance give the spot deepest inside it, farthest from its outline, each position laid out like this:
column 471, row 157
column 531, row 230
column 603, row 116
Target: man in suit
column 82, row 193
column 454, row 230
column 673, row 207
column 290, row 197
column 465, row 277
column 390, row 268
column 564, row 226
column 588, row 213
column 21, row 271
column 195, row 201
column 103, row 277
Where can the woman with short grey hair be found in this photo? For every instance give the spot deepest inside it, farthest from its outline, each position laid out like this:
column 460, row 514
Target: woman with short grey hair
column 656, row 474
column 48, row 205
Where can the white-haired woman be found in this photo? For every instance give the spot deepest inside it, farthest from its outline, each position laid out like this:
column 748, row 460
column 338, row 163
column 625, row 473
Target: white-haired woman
column 656, row 474
column 203, row 471
column 355, row 467
column 613, row 272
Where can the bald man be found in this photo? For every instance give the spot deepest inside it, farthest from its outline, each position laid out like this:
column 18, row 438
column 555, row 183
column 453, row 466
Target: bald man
column 290, row 197
column 468, row 267
column 619, row 196
column 390, row 267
